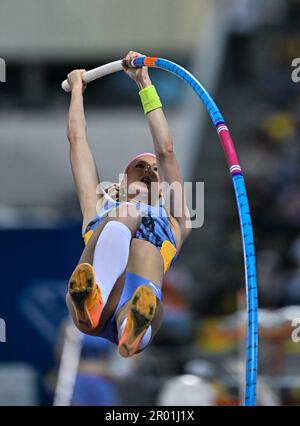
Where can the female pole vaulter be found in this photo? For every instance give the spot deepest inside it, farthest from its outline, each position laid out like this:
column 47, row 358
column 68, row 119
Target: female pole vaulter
column 115, row 291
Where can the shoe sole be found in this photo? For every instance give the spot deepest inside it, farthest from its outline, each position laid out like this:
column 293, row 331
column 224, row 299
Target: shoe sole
column 141, row 312
column 81, row 285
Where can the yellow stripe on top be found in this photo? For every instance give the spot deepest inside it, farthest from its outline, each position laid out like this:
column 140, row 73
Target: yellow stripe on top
column 167, row 252
column 87, row 236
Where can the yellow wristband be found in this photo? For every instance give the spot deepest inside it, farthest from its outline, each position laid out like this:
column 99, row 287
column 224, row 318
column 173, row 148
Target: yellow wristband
column 150, row 99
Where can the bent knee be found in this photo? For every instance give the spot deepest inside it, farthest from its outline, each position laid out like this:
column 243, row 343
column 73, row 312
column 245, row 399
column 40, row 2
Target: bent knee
column 127, row 214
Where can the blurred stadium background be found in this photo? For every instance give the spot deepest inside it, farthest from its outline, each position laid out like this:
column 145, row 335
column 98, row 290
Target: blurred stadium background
column 242, row 52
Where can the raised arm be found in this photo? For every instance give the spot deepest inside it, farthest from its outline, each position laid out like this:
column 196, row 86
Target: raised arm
column 168, row 167
column 82, row 162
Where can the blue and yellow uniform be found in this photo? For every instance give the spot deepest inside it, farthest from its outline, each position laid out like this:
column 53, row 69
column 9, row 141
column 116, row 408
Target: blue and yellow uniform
column 154, row 228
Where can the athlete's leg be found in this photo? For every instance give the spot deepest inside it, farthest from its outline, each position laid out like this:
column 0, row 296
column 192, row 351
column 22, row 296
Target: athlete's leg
column 102, row 262
column 139, row 313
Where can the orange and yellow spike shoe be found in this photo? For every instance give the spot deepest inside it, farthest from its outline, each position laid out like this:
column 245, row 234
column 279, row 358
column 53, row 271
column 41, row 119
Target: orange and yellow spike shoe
column 141, row 311
column 85, row 295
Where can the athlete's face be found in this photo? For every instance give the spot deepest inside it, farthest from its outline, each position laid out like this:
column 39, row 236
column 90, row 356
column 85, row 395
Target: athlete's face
column 143, row 179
